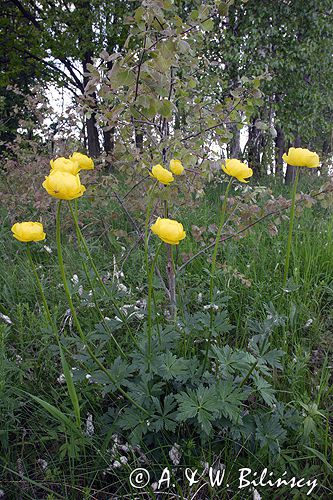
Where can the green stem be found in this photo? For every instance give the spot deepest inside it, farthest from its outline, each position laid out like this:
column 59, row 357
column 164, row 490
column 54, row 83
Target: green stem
column 79, row 237
column 148, row 271
column 42, row 294
column 87, row 251
column 149, row 301
column 213, row 269
column 75, row 318
column 291, row 224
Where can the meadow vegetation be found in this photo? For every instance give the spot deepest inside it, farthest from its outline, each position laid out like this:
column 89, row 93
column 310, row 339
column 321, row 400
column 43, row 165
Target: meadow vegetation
column 178, row 313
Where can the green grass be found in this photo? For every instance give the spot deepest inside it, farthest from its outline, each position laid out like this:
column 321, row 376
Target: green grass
column 251, row 288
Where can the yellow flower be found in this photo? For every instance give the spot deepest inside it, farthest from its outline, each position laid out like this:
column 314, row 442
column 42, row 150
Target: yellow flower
column 176, row 167
column 169, row 231
column 236, row 168
column 85, row 163
column 63, row 185
column 28, row 231
column 162, row 174
column 65, row 165
column 299, row 157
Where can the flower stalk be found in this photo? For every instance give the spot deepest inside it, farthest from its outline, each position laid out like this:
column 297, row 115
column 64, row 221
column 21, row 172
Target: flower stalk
column 291, row 224
column 213, row 270
column 75, row 317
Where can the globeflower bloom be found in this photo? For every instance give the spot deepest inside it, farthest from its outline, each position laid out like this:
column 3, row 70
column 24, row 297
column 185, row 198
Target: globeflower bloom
column 299, row 157
column 169, row 231
column 28, row 231
column 65, row 165
column 85, row 163
column 63, row 185
column 162, row 174
column 235, row 168
column 176, row 167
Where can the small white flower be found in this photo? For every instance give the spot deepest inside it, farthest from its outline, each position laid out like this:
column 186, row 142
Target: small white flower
column 90, row 429
column 215, row 307
column 308, row 323
column 199, row 298
column 19, row 359
column 75, row 279
column 122, row 288
column 6, row 319
column 42, row 464
column 116, row 464
column 256, row 495
column 47, row 249
column 61, row 379
column 80, row 290
column 88, row 376
column 123, row 460
column 175, row 454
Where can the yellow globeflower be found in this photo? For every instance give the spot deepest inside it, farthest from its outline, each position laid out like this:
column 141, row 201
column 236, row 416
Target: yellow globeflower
column 85, row 163
column 28, row 231
column 299, row 157
column 162, row 174
column 65, row 165
column 176, row 167
column 63, row 185
column 169, row 231
column 236, row 168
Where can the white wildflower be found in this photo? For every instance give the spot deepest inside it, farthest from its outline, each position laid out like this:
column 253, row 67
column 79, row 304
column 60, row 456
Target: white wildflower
column 6, row 319
column 175, row 454
column 215, row 307
column 123, row 460
column 116, row 464
column 308, row 323
column 200, row 297
column 75, row 279
column 61, row 379
column 47, row 249
column 90, row 429
column 42, row 464
column 122, row 288
column 80, row 290
column 256, row 495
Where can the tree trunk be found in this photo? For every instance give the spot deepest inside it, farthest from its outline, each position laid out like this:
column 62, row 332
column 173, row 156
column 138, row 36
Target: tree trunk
column 279, row 150
column 138, row 138
column 235, row 148
column 108, row 137
column 92, row 132
column 254, row 145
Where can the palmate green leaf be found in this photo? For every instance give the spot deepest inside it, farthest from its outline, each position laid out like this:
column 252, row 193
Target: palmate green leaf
column 269, row 432
column 165, row 416
column 231, row 361
column 120, row 372
column 230, row 400
column 170, row 367
column 265, row 390
column 136, row 421
column 142, row 389
column 200, row 404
